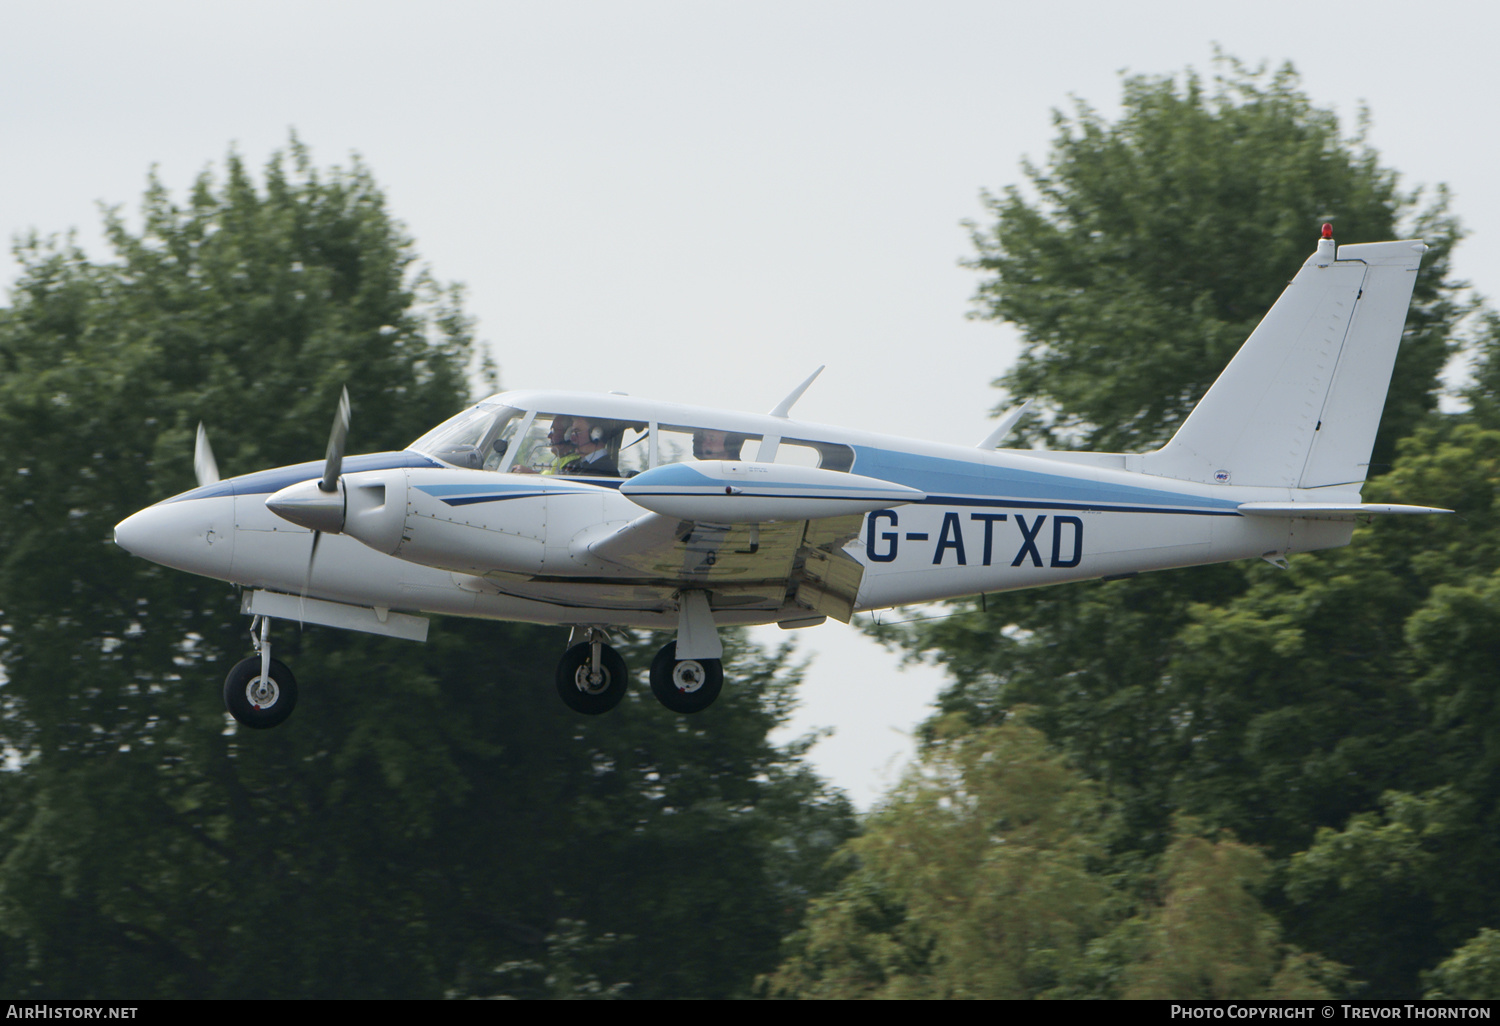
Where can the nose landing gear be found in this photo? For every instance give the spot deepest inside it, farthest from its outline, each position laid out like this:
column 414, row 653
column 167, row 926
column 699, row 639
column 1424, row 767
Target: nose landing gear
column 260, row 692
column 591, row 677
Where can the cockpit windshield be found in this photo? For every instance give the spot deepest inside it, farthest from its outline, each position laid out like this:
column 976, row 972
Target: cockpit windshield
column 477, row 439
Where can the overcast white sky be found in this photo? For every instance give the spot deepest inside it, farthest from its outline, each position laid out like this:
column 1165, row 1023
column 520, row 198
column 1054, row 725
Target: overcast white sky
column 703, row 201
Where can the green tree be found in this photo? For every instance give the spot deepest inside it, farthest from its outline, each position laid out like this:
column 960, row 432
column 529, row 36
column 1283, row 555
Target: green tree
column 987, row 874
column 432, row 814
column 976, row 879
column 1472, row 973
column 1145, row 251
column 1208, row 937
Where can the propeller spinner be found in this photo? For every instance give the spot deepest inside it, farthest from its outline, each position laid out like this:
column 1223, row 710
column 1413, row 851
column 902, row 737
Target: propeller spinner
column 319, row 505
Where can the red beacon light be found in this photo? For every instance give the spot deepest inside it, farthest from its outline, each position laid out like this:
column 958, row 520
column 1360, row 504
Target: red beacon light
column 1326, row 252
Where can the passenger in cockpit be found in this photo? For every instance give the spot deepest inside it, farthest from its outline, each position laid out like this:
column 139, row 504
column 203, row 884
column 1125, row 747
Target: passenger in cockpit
column 563, row 451
column 590, row 438
column 709, row 444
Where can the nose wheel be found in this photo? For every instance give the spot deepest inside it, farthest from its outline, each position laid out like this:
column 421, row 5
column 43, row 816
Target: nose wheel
column 591, row 678
column 260, row 692
column 685, row 685
column 260, row 701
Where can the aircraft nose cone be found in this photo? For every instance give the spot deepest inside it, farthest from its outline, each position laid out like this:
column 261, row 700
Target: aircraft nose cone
column 307, row 505
column 196, row 535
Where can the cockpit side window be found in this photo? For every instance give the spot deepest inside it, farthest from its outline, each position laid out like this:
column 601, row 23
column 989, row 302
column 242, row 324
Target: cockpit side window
column 634, row 452
column 676, row 443
column 829, row 455
column 580, row 445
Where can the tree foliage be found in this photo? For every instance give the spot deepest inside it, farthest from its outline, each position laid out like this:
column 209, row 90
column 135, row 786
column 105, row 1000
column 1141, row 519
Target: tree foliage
column 432, row 821
column 1208, row 937
column 1145, row 251
column 987, row 875
column 1471, row 973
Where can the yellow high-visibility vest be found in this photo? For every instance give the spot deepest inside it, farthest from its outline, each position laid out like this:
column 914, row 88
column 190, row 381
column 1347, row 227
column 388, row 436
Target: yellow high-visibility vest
column 563, row 461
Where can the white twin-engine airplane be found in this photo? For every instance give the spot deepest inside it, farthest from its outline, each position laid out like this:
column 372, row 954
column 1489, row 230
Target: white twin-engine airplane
column 604, row 511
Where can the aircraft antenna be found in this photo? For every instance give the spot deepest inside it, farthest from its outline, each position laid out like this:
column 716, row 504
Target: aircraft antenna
column 1003, row 428
column 785, row 406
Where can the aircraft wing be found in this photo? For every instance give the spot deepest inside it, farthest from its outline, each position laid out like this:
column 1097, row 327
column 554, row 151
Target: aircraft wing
column 748, row 532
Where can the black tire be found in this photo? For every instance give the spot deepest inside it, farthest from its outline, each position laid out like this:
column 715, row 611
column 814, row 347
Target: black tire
column 685, row 685
column 578, row 693
column 259, row 704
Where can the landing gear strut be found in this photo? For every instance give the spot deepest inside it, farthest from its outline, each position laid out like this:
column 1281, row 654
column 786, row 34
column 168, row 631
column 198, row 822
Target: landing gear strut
column 591, row 678
column 685, row 685
column 260, row 692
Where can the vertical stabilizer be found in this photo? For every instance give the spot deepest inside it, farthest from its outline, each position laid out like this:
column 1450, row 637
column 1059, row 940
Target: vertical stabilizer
column 1299, row 404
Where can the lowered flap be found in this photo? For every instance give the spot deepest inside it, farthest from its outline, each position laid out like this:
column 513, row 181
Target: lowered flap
column 827, row 578
column 681, row 550
column 806, row 557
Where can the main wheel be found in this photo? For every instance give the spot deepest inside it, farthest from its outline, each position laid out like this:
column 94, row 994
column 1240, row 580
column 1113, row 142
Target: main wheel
column 257, row 702
column 584, row 693
column 685, row 685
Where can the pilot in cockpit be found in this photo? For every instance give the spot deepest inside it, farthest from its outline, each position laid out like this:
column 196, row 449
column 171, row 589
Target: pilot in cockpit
column 709, row 444
column 590, row 439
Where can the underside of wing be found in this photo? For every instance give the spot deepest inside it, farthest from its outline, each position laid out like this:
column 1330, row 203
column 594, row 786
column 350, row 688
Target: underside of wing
column 800, row 564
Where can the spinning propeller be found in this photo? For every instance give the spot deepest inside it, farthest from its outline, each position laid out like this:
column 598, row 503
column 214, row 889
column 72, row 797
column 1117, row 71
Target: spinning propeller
column 336, row 439
column 333, row 464
column 318, row 505
column 204, row 466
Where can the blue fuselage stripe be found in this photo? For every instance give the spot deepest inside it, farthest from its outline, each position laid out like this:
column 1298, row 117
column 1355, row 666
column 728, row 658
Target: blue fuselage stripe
column 982, row 484
column 267, row 482
column 1089, row 507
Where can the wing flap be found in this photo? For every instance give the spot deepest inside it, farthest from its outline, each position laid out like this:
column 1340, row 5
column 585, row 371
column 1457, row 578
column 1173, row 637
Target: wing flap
column 666, row 546
column 807, row 557
column 826, row 579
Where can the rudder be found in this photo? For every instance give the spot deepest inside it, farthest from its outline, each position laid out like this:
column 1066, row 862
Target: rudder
column 1299, row 404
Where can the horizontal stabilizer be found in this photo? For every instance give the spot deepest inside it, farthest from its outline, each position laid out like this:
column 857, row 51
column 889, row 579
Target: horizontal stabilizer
column 1332, row 510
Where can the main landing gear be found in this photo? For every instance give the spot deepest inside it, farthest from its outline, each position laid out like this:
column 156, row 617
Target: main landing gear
column 260, row 692
column 685, row 685
column 592, row 679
